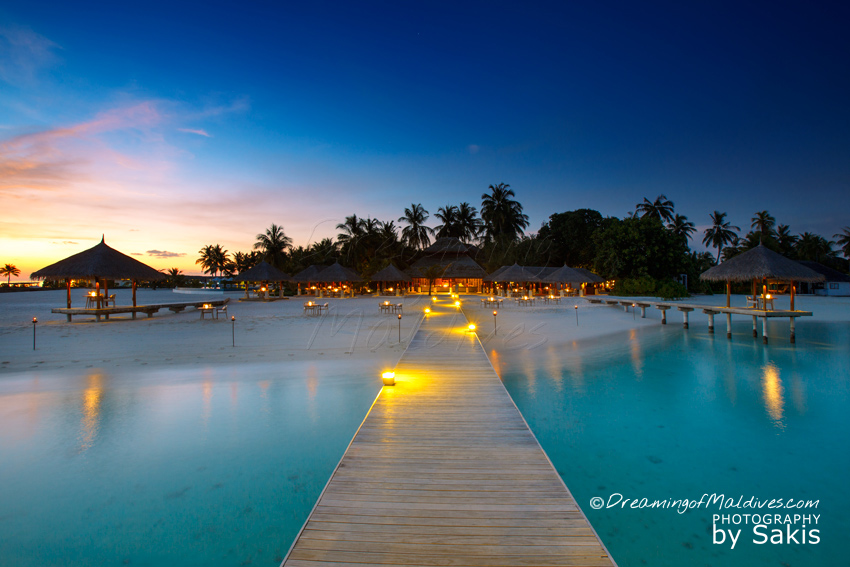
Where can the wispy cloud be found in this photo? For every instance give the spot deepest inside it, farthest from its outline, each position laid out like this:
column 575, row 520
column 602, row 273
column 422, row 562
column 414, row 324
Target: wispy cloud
column 199, row 132
column 23, row 53
column 164, row 254
column 62, row 157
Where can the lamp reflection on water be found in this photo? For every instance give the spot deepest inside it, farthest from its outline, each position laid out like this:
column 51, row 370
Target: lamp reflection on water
column 92, row 398
column 772, row 391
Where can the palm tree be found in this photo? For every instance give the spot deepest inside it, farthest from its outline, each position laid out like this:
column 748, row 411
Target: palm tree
column 785, row 240
column 468, row 222
column 273, row 244
column 814, row 247
column 352, row 229
column 661, row 208
column 720, row 233
column 415, row 234
column 9, row 270
column 433, row 273
column 843, row 240
column 175, row 276
column 763, row 223
column 682, row 227
column 244, row 261
column 324, row 251
column 214, row 259
column 450, row 226
column 502, row 216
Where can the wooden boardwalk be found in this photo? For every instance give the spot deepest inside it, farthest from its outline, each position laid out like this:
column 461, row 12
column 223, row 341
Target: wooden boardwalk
column 444, row 471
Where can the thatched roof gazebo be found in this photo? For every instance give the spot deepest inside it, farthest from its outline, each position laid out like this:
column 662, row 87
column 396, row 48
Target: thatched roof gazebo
column 263, row 272
column 390, row 274
column 517, row 273
column 452, row 260
column 100, row 262
column 591, row 277
column 338, row 273
column 760, row 263
column 565, row 274
column 308, row 274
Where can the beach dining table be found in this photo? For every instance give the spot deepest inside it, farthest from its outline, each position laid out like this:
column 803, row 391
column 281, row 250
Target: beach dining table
column 552, row 299
column 525, row 301
column 94, row 300
column 311, row 307
column 491, row 302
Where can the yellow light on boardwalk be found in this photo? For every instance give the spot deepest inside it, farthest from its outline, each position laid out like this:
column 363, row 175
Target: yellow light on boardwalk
column 472, row 327
column 427, row 310
column 433, row 298
column 388, row 378
column 457, row 303
column 206, row 305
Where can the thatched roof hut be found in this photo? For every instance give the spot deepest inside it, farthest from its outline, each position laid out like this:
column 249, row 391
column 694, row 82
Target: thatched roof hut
column 760, row 263
column 516, row 273
column 565, row 274
column 453, row 256
column 390, row 274
column 494, row 277
column 454, row 267
column 263, row 272
column 309, row 274
column 338, row 273
column 101, row 261
column 591, row 277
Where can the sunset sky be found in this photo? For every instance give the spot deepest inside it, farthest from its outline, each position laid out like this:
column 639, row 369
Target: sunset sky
column 170, row 125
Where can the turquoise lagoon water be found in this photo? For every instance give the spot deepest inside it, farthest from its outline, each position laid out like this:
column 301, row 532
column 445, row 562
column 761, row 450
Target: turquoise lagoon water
column 210, row 466
column 668, row 414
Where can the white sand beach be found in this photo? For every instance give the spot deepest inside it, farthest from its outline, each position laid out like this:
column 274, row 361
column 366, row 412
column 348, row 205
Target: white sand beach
column 279, row 331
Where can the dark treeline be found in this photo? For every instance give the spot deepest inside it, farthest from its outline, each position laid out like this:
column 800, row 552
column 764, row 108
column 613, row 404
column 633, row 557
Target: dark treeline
column 647, row 249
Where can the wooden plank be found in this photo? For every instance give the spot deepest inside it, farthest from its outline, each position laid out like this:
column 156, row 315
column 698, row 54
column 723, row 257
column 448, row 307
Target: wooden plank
column 444, row 471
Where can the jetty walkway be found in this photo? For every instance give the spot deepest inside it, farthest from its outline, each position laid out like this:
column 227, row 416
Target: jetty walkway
column 445, row 471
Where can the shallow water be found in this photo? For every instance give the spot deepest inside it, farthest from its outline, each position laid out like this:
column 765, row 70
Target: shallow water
column 667, row 414
column 204, row 466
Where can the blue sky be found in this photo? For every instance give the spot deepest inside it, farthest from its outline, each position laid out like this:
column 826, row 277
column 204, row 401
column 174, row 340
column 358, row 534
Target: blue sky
column 171, row 126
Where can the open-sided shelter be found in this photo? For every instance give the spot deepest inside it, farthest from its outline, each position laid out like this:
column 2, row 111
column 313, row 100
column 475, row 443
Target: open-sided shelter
column 99, row 263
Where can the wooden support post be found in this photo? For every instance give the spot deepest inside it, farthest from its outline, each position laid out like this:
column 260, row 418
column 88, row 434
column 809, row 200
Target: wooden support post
column 728, row 325
column 793, row 335
column 663, row 316
column 711, row 323
column 626, row 307
column 755, row 327
column 134, row 298
column 106, row 295
column 68, row 285
column 792, row 309
column 685, row 319
column 764, row 329
column 728, row 292
column 643, row 311
column 298, row 292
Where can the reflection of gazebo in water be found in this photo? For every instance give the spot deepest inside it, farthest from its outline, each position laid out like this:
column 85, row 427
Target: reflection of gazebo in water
column 100, row 263
column 390, row 274
column 264, row 273
column 455, row 263
column 760, row 264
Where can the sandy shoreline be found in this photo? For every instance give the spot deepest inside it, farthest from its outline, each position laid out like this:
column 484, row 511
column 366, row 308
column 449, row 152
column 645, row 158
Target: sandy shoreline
column 278, row 331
